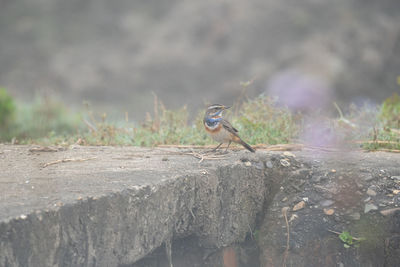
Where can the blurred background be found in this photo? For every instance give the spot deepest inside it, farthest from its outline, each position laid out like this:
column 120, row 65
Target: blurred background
column 114, row 54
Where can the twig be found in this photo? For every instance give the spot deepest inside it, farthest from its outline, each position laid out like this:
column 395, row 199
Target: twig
column 90, row 126
column 286, row 253
column 199, row 156
column 65, row 160
column 387, row 150
column 282, row 147
column 376, row 142
column 338, row 109
column 44, row 149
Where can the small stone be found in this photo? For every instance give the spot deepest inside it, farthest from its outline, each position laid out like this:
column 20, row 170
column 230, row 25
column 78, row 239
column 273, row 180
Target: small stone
column 396, row 191
column 388, row 212
column 164, row 159
column 285, row 162
column 329, row 212
column 359, row 185
column 371, row 192
column 367, row 199
column 369, row 207
column 333, row 171
column 369, row 178
column 288, row 154
column 269, row 164
column 284, row 199
column 299, row 206
column 305, row 199
column 396, row 178
column 23, row 216
column 326, row 203
column 259, row 165
column 355, row 216
column 293, row 217
column 247, row 164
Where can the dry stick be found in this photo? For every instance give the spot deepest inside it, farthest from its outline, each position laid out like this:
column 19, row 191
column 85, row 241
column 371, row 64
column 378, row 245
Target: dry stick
column 292, row 147
column 284, row 212
column 43, row 149
column 65, row 160
column 376, row 142
column 90, row 126
column 283, row 147
column 388, row 150
column 199, row 156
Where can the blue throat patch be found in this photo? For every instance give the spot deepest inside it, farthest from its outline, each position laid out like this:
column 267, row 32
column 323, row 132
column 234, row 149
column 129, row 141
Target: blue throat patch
column 211, row 122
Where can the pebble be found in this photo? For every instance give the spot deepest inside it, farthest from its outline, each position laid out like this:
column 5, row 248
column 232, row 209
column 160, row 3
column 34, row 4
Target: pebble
column 396, row 178
column 285, row 162
column 269, row 164
column 369, row 207
column 355, row 216
column 247, row 164
column 369, row 178
column 371, row 192
column 299, row 206
column 289, row 154
column 329, row 212
column 326, row 203
column 389, row 211
column 395, row 191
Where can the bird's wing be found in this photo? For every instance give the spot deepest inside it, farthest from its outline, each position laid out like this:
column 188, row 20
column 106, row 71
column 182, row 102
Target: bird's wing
column 228, row 126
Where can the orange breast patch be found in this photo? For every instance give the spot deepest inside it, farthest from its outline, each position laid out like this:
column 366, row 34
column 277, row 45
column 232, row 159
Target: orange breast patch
column 216, row 129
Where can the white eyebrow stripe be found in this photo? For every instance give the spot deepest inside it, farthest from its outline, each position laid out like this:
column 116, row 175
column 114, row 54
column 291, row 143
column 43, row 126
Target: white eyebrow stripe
column 215, row 106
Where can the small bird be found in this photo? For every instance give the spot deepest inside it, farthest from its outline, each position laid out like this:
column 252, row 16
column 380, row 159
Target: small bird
column 221, row 130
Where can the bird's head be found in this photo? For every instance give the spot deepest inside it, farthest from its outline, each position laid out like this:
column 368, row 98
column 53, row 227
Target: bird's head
column 215, row 110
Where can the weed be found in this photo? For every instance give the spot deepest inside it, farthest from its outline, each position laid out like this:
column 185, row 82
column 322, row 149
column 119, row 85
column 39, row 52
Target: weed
column 260, row 121
column 390, row 112
column 7, row 114
column 348, row 240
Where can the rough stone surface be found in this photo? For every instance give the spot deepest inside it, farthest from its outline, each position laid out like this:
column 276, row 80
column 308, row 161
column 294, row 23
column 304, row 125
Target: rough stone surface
column 126, row 206
column 121, row 204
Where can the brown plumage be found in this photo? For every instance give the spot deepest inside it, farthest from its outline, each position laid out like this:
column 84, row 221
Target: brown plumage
column 220, row 129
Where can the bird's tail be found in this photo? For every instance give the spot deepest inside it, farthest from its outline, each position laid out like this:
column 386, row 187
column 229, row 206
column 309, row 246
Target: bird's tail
column 247, row 146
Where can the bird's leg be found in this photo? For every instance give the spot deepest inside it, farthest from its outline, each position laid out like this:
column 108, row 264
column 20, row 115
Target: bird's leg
column 226, row 150
column 215, row 149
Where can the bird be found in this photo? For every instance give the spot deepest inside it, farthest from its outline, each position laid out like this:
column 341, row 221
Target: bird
column 220, row 129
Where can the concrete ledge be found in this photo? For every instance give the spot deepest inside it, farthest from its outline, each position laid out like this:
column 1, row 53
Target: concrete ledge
column 119, row 206
column 116, row 208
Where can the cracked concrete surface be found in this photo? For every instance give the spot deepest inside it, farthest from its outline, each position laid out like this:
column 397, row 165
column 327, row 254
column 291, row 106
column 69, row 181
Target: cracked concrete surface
column 115, row 206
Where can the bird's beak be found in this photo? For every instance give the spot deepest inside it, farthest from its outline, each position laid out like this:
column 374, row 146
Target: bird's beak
column 226, row 107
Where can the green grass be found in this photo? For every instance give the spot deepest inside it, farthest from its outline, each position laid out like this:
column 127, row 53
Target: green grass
column 48, row 121
column 7, row 114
